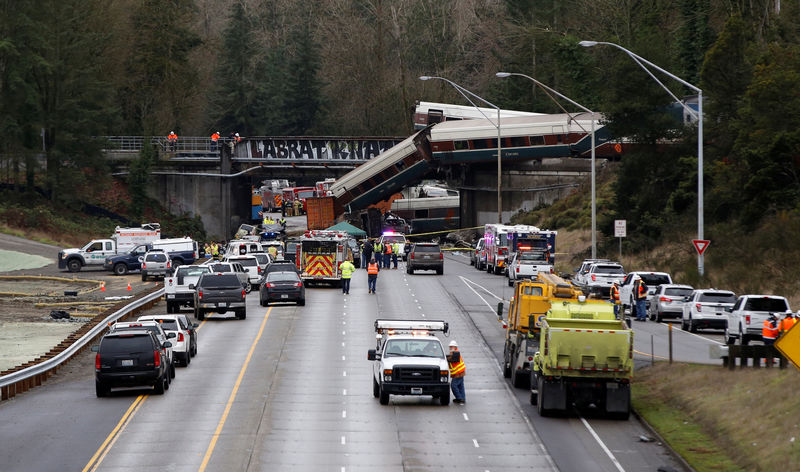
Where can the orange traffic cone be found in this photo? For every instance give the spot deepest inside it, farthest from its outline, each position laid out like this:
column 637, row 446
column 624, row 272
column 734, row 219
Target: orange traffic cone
column 129, row 286
column 103, row 287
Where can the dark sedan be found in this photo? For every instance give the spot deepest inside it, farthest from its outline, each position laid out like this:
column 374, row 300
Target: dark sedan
column 286, row 286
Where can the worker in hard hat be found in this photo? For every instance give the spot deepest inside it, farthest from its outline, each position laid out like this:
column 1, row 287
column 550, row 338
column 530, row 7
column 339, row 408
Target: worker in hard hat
column 457, row 372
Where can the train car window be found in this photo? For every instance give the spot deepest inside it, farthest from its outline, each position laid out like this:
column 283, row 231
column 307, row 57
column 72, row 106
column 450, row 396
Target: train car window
column 537, row 140
column 461, row 145
column 517, row 141
column 435, row 116
column 400, row 165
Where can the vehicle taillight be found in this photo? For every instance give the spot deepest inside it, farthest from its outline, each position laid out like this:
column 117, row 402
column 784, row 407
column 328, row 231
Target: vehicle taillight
column 594, row 277
column 97, row 361
column 747, row 319
column 411, row 255
column 518, row 269
column 269, row 285
column 169, row 264
column 551, row 270
column 157, row 358
column 298, row 284
column 698, row 307
column 180, row 337
column 502, row 251
column 441, row 256
column 259, row 269
column 169, row 281
column 664, row 299
column 243, row 293
column 200, row 294
column 144, row 266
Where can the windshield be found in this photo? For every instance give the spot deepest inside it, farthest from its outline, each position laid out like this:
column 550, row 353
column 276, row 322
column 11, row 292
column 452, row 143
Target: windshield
column 283, row 277
column 530, row 256
column 247, row 262
column 221, row 268
column 766, row 304
column 262, row 258
column 127, row 344
column 655, row 279
column 188, row 271
column 678, row 292
column 397, row 238
column 413, row 348
column 608, row 269
column 220, row 281
column 305, row 194
column 718, row 297
column 157, row 257
column 168, row 325
column 426, row 248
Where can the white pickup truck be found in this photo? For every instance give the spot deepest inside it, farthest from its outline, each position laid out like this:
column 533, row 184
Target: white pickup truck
column 746, row 317
column 651, row 279
column 601, row 277
column 176, row 287
column 95, row 252
column 526, row 264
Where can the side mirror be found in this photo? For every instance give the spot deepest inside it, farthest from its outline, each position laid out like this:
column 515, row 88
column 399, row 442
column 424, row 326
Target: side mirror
column 729, row 309
column 171, row 335
column 96, row 348
column 195, row 325
column 499, row 310
column 191, row 286
column 167, row 343
column 371, row 355
column 141, row 258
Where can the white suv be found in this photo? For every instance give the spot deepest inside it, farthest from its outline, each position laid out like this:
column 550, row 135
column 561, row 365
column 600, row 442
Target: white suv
column 651, row 279
column 746, row 317
column 706, row 309
column 181, row 343
column 250, row 264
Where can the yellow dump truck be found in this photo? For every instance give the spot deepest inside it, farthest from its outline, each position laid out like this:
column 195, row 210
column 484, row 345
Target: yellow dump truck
column 531, row 301
column 585, row 359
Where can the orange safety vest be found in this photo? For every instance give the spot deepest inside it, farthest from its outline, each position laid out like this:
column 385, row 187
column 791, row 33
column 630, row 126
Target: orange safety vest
column 642, row 291
column 614, row 294
column 787, row 323
column 770, row 330
column 372, row 269
column 172, row 137
column 388, row 249
column 457, row 369
column 215, row 137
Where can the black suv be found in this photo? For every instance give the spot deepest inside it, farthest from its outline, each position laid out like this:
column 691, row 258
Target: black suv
column 219, row 293
column 425, row 256
column 131, row 359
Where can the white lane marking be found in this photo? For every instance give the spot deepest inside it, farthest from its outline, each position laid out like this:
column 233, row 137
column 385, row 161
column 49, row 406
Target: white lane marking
column 344, row 413
column 344, row 441
column 344, row 470
column 423, row 314
column 468, row 281
column 344, row 373
column 343, row 358
column 466, row 418
column 602, row 445
column 475, row 442
column 342, row 344
column 344, row 392
column 343, row 333
column 344, row 322
column 416, row 301
column 492, row 309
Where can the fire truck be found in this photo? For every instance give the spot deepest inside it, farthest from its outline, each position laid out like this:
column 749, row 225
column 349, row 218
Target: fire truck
column 319, row 255
column 495, row 240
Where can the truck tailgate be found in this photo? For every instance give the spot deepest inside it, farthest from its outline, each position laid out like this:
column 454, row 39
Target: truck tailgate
column 588, row 349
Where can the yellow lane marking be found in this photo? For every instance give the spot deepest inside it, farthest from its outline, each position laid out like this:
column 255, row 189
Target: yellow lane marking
column 647, row 354
column 123, row 422
column 232, row 397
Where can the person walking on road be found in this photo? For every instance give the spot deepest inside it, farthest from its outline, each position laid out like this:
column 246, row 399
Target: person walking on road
column 372, row 274
column 614, row 298
column 366, row 252
column 457, row 372
column 387, row 255
column 395, row 250
column 347, row 269
column 640, row 296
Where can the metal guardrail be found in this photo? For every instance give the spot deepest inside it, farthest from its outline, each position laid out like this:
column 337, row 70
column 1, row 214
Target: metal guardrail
column 29, row 377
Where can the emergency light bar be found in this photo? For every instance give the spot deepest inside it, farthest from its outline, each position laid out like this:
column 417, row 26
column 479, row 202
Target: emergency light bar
column 382, row 326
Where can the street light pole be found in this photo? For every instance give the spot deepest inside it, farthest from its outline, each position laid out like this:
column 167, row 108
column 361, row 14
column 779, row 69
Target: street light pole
column 462, row 91
column 699, row 114
column 594, row 198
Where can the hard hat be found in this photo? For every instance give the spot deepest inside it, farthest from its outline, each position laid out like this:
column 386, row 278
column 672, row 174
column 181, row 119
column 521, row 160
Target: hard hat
column 217, row 132
column 453, row 344
column 636, row 277
column 172, row 132
column 237, row 134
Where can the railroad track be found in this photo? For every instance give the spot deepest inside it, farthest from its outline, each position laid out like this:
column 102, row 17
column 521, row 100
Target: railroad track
column 32, row 374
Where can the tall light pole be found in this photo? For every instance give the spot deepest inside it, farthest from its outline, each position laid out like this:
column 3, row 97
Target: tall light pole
column 594, row 198
column 463, row 93
column 699, row 114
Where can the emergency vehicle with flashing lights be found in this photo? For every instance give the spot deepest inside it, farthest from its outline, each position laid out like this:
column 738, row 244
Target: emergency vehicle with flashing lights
column 320, row 253
column 532, row 251
column 95, row 252
column 495, row 241
column 392, row 237
column 410, row 360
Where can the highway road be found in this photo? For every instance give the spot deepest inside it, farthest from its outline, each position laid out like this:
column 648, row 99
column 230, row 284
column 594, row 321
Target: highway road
column 289, row 389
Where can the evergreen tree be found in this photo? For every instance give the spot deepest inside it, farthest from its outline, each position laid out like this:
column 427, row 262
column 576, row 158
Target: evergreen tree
column 304, row 94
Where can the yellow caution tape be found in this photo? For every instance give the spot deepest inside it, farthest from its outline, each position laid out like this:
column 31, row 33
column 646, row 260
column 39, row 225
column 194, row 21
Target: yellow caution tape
column 445, row 231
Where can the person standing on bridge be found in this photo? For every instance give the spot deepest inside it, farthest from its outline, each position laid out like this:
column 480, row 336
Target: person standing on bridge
column 172, row 140
column 347, row 269
column 214, row 140
column 372, row 274
column 457, row 372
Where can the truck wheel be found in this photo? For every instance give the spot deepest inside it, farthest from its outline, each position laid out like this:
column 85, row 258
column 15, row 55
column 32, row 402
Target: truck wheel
column 176, row 263
column 506, row 364
column 121, row 269
column 440, row 271
column 248, row 287
column 160, row 385
column 745, row 339
column 518, row 377
column 384, row 397
column 170, row 308
column 376, row 389
column 74, row 265
column 488, row 268
column 144, row 277
column 198, row 313
column 444, row 399
column 684, row 327
column 510, row 282
column 242, row 314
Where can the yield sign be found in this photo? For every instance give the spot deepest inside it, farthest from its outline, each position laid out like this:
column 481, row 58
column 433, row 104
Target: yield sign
column 701, row 245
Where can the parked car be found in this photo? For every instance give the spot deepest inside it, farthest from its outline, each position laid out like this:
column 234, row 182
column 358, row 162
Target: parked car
column 668, row 301
column 181, row 343
column 219, row 292
column 706, row 309
column 425, row 256
column 155, row 263
column 652, row 279
column 131, row 358
column 601, row 277
column 746, row 317
column 282, row 286
column 579, row 278
column 159, row 333
column 477, row 257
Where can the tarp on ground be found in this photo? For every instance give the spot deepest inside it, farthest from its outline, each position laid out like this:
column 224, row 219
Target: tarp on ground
column 349, row 229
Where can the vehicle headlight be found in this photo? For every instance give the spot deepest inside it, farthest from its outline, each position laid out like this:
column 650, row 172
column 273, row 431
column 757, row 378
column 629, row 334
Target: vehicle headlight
column 387, row 375
column 444, row 375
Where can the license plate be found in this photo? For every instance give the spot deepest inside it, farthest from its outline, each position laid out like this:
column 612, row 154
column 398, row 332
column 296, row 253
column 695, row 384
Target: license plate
column 284, row 296
column 170, row 296
column 126, row 362
column 416, row 391
column 223, row 304
column 612, row 385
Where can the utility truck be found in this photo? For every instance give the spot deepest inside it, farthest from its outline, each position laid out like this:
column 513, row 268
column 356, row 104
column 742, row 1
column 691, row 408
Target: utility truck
column 95, row 252
column 410, row 360
column 585, row 359
column 321, row 253
column 531, row 301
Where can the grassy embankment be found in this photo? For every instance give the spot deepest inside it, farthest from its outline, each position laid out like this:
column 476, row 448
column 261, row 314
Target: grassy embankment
column 718, row 420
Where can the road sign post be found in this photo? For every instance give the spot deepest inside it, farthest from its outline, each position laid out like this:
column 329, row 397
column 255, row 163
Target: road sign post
column 620, row 231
